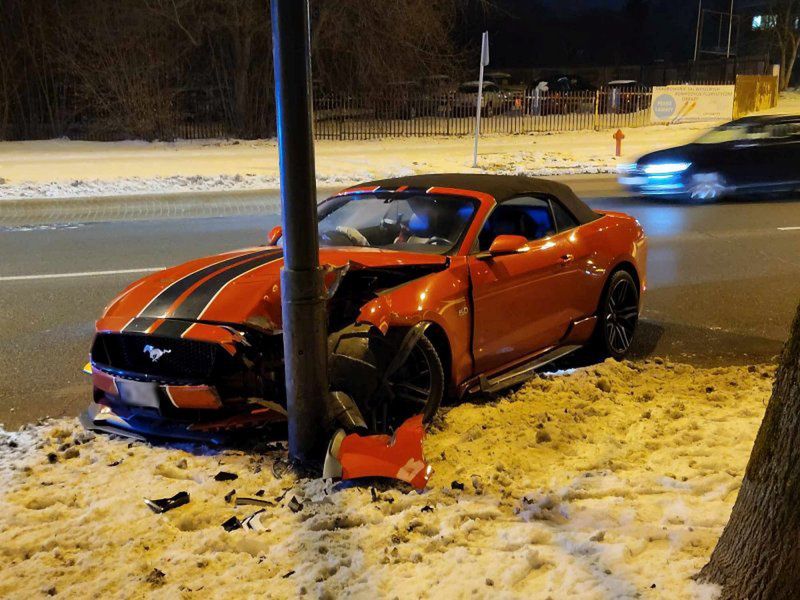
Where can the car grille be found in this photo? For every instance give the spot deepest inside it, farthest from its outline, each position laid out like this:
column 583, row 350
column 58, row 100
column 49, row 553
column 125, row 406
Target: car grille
column 179, row 359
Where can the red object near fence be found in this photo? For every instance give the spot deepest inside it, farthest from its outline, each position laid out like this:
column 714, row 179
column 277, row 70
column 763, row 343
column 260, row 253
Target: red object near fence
column 619, row 136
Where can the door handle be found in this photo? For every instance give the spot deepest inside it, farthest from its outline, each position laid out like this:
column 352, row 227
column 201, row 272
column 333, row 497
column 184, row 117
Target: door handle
column 566, row 258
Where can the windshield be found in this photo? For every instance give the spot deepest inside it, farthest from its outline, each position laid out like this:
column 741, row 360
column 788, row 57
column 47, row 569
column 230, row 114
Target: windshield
column 426, row 223
column 734, row 132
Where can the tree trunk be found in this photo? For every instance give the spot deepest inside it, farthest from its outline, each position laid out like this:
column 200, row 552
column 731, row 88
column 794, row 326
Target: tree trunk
column 758, row 554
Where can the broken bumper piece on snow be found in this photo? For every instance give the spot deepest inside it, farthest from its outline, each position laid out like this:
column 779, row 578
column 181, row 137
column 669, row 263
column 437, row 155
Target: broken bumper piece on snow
column 396, row 457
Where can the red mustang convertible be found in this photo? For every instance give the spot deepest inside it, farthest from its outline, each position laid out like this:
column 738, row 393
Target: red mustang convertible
column 439, row 286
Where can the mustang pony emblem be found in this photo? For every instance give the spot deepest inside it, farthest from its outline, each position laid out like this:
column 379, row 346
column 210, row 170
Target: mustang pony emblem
column 155, row 353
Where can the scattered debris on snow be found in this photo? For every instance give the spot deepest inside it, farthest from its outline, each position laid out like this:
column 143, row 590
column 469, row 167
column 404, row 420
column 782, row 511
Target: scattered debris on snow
column 625, row 500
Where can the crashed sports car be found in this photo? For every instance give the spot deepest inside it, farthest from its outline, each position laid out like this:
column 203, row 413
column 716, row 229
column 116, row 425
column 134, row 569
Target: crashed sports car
column 438, row 286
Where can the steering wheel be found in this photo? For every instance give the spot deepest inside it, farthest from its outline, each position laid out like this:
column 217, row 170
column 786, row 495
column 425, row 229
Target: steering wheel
column 438, row 241
column 354, row 236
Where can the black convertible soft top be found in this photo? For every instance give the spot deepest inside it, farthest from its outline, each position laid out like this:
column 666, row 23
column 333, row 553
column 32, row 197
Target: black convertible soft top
column 500, row 187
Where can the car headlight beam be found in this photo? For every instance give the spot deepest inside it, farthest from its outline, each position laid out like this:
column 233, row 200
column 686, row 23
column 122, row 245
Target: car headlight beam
column 666, row 168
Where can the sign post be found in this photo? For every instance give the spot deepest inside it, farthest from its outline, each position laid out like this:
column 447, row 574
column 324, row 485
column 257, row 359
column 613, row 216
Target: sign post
column 302, row 283
column 484, row 62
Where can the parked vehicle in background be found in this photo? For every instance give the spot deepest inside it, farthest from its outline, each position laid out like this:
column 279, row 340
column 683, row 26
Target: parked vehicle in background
column 493, row 100
column 748, row 155
column 559, row 94
column 624, row 96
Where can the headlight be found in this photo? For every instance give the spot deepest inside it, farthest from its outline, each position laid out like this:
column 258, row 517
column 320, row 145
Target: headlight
column 664, row 168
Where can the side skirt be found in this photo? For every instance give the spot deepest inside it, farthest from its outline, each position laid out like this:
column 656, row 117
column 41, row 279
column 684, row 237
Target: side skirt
column 495, row 382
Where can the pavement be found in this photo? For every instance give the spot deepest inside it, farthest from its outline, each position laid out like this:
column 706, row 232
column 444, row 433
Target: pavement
column 724, row 279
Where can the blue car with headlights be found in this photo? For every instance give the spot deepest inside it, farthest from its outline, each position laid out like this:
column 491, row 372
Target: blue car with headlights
column 746, row 156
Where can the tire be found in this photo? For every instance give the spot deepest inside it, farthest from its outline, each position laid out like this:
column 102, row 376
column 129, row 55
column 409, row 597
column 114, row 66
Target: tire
column 707, row 187
column 617, row 316
column 358, row 359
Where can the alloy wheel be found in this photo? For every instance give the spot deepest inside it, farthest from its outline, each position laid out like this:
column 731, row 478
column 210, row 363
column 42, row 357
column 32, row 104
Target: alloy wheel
column 621, row 315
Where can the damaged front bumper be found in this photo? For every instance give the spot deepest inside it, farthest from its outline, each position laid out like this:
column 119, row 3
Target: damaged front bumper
column 399, row 456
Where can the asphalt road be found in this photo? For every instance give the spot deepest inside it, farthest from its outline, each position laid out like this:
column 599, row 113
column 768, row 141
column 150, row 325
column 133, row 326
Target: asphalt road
column 724, row 281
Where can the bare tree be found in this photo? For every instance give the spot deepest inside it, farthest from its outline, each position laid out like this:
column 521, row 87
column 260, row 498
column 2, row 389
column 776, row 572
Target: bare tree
column 787, row 35
column 758, row 554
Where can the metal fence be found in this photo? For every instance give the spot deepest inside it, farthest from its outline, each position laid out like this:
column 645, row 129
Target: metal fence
column 516, row 112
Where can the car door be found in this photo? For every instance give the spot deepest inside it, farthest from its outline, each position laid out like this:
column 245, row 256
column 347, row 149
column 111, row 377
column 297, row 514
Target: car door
column 780, row 155
column 519, row 299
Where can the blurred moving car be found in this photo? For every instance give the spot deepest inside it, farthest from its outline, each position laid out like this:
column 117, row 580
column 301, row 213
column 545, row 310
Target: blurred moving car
column 437, row 286
column 752, row 154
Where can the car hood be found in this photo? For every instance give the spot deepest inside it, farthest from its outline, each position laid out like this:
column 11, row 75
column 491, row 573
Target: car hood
column 685, row 153
column 240, row 287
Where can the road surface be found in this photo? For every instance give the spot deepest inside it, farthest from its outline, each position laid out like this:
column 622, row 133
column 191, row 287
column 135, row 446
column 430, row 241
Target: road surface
column 724, row 281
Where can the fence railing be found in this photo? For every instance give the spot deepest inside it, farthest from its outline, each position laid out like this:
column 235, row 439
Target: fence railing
column 516, row 112
column 414, row 113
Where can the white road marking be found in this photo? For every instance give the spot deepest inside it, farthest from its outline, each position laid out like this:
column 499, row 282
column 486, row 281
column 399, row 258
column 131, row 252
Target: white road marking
column 788, row 228
column 80, row 274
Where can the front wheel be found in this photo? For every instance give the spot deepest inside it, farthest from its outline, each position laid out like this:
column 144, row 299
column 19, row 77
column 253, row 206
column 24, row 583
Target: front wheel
column 618, row 316
column 363, row 363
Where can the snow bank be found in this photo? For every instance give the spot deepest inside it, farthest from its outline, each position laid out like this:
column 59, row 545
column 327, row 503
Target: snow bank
column 65, row 169
column 608, row 482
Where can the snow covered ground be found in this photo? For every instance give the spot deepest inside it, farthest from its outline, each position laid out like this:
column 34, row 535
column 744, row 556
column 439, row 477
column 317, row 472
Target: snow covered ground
column 612, row 481
column 67, row 169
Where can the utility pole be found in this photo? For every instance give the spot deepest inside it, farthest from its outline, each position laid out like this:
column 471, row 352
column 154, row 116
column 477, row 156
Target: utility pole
column 484, row 62
column 730, row 31
column 302, row 284
column 697, row 29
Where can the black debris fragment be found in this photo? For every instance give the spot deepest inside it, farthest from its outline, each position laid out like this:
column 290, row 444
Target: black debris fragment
column 283, row 495
column 426, row 508
column 225, row 476
column 116, row 463
column 162, row 505
column 232, row 524
column 229, row 496
column 253, row 522
column 253, row 502
column 156, row 578
column 52, row 457
column 295, row 505
column 374, row 494
column 259, row 493
column 457, row 485
column 287, row 574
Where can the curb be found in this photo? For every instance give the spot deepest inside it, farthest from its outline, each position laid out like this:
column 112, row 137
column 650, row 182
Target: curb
column 133, row 207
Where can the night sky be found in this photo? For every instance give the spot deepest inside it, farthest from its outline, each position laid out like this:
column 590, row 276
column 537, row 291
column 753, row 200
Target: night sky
column 587, row 32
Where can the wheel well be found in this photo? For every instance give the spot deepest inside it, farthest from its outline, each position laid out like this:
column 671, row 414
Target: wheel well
column 631, row 270
column 441, row 342
column 622, row 266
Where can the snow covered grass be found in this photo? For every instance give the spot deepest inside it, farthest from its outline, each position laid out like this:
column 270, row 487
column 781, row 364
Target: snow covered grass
column 66, row 169
column 612, row 481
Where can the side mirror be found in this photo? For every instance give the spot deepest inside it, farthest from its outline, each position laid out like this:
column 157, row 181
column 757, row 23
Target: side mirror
column 274, row 235
column 506, row 244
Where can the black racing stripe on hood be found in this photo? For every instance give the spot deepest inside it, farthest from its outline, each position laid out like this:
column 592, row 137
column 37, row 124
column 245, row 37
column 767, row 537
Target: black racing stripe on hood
column 158, row 305
column 193, row 306
column 173, row 328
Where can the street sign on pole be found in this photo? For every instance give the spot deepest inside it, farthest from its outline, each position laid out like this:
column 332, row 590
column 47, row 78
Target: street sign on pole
column 302, row 283
column 484, row 62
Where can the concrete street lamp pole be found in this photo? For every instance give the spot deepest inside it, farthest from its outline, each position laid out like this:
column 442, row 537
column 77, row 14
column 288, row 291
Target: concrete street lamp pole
column 302, row 285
